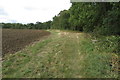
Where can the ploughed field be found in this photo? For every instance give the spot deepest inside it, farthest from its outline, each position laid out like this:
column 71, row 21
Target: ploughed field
column 14, row 40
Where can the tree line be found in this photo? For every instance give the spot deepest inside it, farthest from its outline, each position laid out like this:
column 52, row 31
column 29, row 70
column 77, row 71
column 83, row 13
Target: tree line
column 98, row 18
column 37, row 25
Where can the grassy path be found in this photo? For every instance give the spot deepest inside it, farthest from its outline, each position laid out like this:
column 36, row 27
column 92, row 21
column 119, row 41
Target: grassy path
column 58, row 56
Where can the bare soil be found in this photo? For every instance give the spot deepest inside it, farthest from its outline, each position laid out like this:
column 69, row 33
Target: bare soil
column 14, row 40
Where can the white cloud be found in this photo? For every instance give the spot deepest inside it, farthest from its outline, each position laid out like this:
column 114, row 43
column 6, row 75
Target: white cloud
column 26, row 11
column 2, row 11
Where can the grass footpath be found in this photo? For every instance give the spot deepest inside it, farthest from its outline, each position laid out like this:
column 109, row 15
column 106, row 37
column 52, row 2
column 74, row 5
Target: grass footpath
column 63, row 54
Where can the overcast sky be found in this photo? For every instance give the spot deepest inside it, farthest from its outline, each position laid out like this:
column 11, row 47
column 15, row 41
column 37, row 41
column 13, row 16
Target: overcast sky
column 27, row 11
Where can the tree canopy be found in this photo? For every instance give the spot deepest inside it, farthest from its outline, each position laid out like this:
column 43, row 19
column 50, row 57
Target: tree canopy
column 100, row 18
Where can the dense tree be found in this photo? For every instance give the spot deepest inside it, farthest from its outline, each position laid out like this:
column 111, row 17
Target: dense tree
column 98, row 18
column 61, row 21
column 109, row 22
column 37, row 25
column 55, row 23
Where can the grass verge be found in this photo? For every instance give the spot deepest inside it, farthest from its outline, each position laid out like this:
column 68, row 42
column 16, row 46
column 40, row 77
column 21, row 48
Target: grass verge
column 100, row 59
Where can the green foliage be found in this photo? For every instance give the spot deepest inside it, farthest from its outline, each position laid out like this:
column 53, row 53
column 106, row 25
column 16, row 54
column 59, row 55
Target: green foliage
column 61, row 21
column 98, row 57
column 110, row 44
column 99, row 18
column 109, row 21
column 37, row 25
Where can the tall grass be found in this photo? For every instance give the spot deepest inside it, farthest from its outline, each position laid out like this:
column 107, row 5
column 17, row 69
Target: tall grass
column 101, row 56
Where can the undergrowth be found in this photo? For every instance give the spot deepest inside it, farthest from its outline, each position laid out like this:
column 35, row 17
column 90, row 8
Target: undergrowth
column 101, row 56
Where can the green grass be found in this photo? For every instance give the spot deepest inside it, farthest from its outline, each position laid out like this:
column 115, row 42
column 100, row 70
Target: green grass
column 98, row 56
column 13, row 63
column 64, row 54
